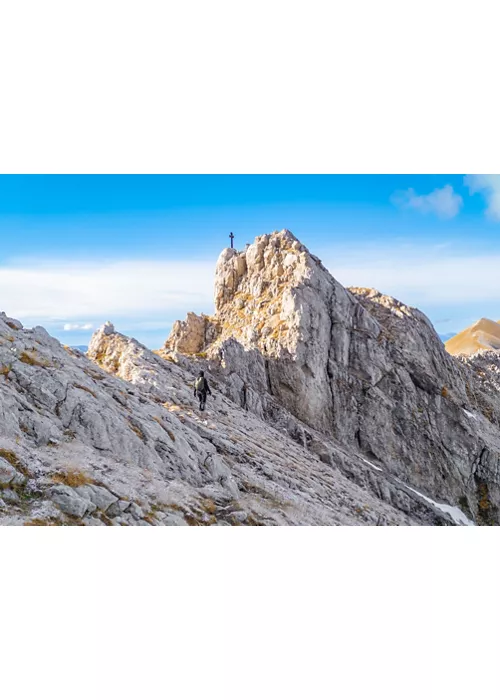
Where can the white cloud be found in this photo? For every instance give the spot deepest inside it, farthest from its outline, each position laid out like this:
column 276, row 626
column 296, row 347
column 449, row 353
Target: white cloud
column 419, row 278
column 444, row 203
column 143, row 296
column 489, row 187
column 61, row 293
column 78, row 327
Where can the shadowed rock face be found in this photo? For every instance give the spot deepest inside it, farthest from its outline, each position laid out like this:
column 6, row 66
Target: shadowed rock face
column 359, row 367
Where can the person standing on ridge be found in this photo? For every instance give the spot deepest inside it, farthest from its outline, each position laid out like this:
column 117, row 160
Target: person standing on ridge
column 201, row 389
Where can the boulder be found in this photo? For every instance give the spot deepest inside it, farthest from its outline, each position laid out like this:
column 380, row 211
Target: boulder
column 70, row 502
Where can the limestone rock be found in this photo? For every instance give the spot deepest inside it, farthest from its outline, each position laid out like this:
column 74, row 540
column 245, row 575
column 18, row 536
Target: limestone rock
column 98, row 495
column 70, row 502
column 189, row 337
column 136, row 512
column 7, row 473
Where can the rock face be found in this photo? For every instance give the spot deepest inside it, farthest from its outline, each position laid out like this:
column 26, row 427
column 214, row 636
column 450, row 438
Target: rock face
column 482, row 335
column 190, row 336
column 360, row 368
column 259, row 465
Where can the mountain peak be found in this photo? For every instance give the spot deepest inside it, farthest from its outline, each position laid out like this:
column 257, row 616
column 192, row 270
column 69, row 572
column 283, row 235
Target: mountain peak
column 484, row 334
column 253, row 288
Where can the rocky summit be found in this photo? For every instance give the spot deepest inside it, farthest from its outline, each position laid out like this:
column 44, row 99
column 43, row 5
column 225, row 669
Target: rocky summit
column 330, row 406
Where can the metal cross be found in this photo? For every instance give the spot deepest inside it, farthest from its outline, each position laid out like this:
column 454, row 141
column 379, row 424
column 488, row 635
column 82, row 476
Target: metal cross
column 231, row 236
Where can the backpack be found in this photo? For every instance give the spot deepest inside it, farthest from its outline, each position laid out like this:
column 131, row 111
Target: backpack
column 199, row 384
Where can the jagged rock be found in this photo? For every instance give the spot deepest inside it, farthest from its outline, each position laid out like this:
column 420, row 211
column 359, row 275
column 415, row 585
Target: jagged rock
column 7, row 473
column 11, row 322
column 190, row 336
column 136, row 512
column 10, row 496
column 174, row 519
column 356, row 365
column 117, row 508
column 93, row 522
column 98, row 495
column 239, row 515
column 70, row 502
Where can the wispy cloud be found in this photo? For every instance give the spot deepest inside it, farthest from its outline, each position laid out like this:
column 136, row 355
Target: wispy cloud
column 143, row 296
column 77, row 327
column 59, row 294
column 421, row 277
column 489, row 187
column 445, row 203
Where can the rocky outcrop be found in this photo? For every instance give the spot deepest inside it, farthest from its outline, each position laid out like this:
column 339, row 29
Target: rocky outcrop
column 190, row 336
column 356, row 366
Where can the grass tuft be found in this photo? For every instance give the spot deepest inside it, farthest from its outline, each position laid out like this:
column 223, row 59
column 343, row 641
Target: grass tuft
column 72, row 477
column 137, row 431
column 208, row 505
column 195, row 521
column 85, row 388
column 32, row 360
column 12, row 459
column 40, row 522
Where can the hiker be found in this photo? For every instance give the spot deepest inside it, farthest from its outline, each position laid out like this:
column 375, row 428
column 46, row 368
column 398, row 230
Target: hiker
column 201, row 389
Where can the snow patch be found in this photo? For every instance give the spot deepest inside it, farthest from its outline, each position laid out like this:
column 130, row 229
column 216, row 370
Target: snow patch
column 372, row 465
column 468, row 413
column 458, row 517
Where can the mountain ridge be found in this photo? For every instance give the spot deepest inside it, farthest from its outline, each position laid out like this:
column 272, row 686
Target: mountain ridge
column 484, row 334
column 331, row 406
column 357, row 365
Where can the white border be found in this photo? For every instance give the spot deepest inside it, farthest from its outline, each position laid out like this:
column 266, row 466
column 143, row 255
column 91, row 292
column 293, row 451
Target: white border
column 259, row 87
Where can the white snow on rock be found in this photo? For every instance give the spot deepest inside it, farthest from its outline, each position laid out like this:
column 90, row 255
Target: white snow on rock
column 379, row 469
column 453, row 511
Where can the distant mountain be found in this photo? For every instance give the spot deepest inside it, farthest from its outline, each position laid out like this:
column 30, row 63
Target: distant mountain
column 446, row 336
column 482, row 335
column 82, row 348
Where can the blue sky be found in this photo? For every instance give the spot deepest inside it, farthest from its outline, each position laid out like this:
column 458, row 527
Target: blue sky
column 141, row 250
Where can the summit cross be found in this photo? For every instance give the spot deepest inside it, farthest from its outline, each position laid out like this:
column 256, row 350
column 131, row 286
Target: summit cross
column 231, row 236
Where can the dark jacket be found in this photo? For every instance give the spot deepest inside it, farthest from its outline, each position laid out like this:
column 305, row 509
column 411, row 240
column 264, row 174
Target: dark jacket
column 205, row 389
